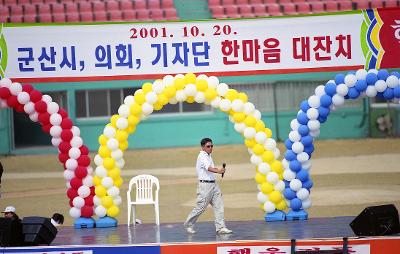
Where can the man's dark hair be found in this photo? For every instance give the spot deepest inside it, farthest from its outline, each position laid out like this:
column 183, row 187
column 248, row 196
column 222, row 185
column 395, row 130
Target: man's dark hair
column 1, row 170
column 59, row 218
column 205, row 141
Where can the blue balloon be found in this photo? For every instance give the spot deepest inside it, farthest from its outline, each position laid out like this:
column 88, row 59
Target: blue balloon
column 308, row 184
column 303, row 130
column 330, row 88
column 289, row 193
column 371, row 79
column 396, row 92
column 339, row 78
column 326, row 100
column 380, row 95
column 353, row 93
column 323, row 111
column 306, row 140
column 322, row 119
column 388, row 93
column 361, row 85
column 395, row 73
column 295, row 204
column 287, row 183
column 295, row 165
column 302, row 175
column 290, row 155
column 302, row 118
column 288, row 144
column 309, row 149
column 383, row 74
column 304, row 106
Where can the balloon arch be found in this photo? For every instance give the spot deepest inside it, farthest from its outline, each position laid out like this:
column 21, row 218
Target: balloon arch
column 282, row 183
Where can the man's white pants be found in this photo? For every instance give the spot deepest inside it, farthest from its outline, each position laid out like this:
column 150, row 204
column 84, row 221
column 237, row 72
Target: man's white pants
column 208, row 193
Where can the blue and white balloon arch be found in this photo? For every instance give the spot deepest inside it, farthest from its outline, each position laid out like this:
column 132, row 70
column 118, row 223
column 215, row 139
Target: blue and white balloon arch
column 315, row 111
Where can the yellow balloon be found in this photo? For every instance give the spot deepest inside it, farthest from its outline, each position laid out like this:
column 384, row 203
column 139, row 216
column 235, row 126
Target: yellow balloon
column 123, row 145
column 260, row 178
column 243, row 97
column 190, row 78
column 231, row 95
column 239, row 117
column 250, row 143
column 162, row 99
column 131, row 129
column 121, row 135
column 147, row 87
column 113, row 211
column 103, row 140
column 258, row 149
column 157, row 106
column 113, row 120
column 259, row 126
column 250, row 121
column 268, row 132
column 104, row 152
column 268, row 156
column 133, row 120
column 266, row 188
column 135, row 109
column 277, row 167
column 281, row 205
column 170, row 91
column 108, row 163
column 107, row 201
column 275, row 197
column 210, row 94
column 190, row 99
column 179, row 83
column 114, row 173
column 139, row 97
column 201, row 85
column 100, row 191
column 96, row 180
column 118, row 182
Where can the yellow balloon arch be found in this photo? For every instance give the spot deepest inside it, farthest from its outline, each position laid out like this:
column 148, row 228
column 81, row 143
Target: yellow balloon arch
column 190, row 88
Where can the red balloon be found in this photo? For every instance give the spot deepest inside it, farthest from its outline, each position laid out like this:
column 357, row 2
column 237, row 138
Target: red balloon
column 84, row 150
column 12, row 101
column 72, row 193
column 63, row 113
column 64, row 147
column 63, row 157
column 44, row 118
column 76, row 183
column 71, row 204
column 87, row 211
column 89, row 200
column 19, row 108
column 84, row 160
column 66, row 123
column 46, row 128
column 4, row 93
column 81, row 172
column 41, row 106
column 92, row 189
column 27, row 88
column 66, row 135
column 35, row 96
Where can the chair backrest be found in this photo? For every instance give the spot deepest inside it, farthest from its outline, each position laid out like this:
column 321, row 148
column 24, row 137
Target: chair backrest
column 144, row 188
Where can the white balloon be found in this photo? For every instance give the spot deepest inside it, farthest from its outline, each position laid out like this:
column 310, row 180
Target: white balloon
column 55, row 131
column 180, row 95
column 98, row 160
column 29, row 108
column 371, row 91
column 272, row 177
column 270, row 144
column 23, row 98
column 337, row 100
column 3, row 104
column 89, row 170
column 5, row 82
column 47, row 98
column 76, row 131
column 71, row 164
column 158, row 86
column 55, row 141
column 116, row 154
column 213, row 82
column 173, row 100
column 78, row 202
column 314, row 101
column 117, row 200
column 190, row 90
column 96, row 201
column 285, row 163
column 298, row 147
column 315, row 133
column 120, row 163
column 239, row 127
column 392, row 81
column 306, row 203
column 179, row 76
column 313, row 125
column 350, row 80
column 280, row 186
column 254, row 159
column 202, row 76
column 34, row 116
column 342, row 89
column 109, row 131
column 222, row 89
column 122, row 123
column 15, row 88
column 380, row 85
column 277, row 153
column 237, row 105
column 76, row 141
column 75, row 212
column 101, row 171
column 124, row 111
column 74, row 153
column 88, row 180
column 257, row 114
column 361, row 74
column 147, row 108
column 375, row 71
column 261, row 197
column 168, row 80
column 260, row 137
column 107, row 182
column 295, row 184
column 312, row 113
column 303, row 194
column 249, row 108
column 151, row 97
column 289, row 175
column 269, row 207
column 83, row 191
column 129, row 100
column 55, row 119
column 264, row 168
column 100, row 211
column 302, row 157
column 225, row 105
column 112, row 144
column 249, row 132
column 294, row 136
column 113, row 191
column 52, row 108
column 294, row 124
column 215, row 103
column 200, row 97
column 320, row 90
column 68, row 174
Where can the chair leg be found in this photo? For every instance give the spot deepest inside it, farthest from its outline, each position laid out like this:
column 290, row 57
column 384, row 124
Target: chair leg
column 157, row 213
column 129, row 214
column 134, row 214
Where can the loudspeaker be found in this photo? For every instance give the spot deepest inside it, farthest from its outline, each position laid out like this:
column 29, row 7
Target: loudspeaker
column 377, row 220
column 10, row 232
column 38, row 230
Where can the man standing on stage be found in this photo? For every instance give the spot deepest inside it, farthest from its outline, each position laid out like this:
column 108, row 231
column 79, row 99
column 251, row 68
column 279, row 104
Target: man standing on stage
column 208, row 191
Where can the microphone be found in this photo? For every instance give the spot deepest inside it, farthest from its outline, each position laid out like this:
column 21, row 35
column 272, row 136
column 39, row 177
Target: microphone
column 223, row 165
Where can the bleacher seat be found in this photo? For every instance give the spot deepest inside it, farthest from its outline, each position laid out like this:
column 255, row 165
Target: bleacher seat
column 260, row 10
column 24, row 2
column 285, row 1
column 361, row 4
column 157, row 14
column 171, row 14
column 115, row 15
column 143, row 15
column 153, row 4
column 3, row 19
column 73, row 17
column 4, row 12
column 16, row 10
column 377, row 4
column 30, row 18
column 112, row 5
column 50, row 1
column 71, row 7
column 128, row 14
column 16, row 18
column 331, row 6
column 45, row 18
column 85, row 7
column 57, row 8
column 289, row 9
column 252, row 2
column 274, row 10
column 246, row 11
column 166, row 4
column 99, row 6
column 59, row 17
column 241, row 2
column 232, row 11
column 303, row 8
column 345, row 5
column 30, row 10
column 317, row 7
column 217, row 12
column 126, row 5
column 10, row 2
column 86, row 16
column 100, row 16
column 36, row 1
column 214, row 3
column 391, row 3
column 298, row 1
column 43, row 9
column 140, row 5
column 228, row 2
column 269, row 1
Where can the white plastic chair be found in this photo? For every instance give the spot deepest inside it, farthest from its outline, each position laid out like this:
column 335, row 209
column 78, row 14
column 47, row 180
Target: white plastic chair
column 144, row 195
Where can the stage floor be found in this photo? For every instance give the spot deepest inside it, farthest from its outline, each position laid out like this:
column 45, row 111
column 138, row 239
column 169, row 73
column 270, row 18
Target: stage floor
column 315, row 228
